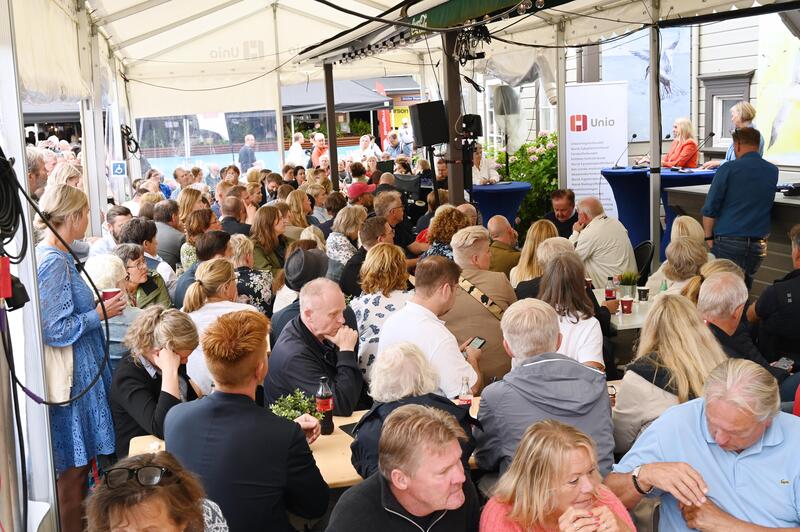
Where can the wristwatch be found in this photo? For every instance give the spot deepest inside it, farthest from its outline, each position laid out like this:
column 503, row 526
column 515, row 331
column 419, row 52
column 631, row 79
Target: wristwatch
column 634, row 477
column 710, row 237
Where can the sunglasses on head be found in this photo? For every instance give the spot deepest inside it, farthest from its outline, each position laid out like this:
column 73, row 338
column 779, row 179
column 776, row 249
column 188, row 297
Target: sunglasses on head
column 146, row 476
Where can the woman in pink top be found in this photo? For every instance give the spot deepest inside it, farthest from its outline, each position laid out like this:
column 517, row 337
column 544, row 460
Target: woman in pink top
column 553, row 485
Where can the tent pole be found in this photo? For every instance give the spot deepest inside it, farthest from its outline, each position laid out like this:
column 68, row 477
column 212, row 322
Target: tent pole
column 27, row 343
column 655, row 136
column 330, row 114
column 423, row 83
column 452, row 102
column 278, row 104
column 561, row 82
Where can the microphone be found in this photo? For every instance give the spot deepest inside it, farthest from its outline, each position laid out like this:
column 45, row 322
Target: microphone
column 708, row 137
column 616, row 163
column 647, row 156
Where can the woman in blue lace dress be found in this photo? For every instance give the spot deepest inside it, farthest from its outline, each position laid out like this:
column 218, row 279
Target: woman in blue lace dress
column 84, row 429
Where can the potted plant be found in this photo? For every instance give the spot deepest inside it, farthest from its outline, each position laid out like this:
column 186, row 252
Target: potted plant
column 627, row 284
column 294, row 405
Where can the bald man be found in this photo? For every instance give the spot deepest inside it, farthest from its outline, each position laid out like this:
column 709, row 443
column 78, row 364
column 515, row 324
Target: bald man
column 503, row 250
column 601, row 242
column 471, row 213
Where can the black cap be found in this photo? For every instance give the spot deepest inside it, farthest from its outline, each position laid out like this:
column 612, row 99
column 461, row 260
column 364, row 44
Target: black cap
column 303, row 266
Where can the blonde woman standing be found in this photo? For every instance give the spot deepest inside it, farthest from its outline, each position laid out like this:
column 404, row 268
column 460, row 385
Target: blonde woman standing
column 553, row 484
column 676, row 353
column 152, row 379
column 529, row 266
column 212, row 294
column 742, row 115
column 81, row 430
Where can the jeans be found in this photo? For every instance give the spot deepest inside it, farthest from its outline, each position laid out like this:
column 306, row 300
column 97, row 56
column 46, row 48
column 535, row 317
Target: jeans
column 746, row 253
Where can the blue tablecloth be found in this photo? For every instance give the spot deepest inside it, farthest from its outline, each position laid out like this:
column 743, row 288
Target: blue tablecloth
column 631, row 188
column 502, row 199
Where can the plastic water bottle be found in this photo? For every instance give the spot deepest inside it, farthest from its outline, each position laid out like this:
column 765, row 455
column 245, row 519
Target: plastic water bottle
column 465, row 395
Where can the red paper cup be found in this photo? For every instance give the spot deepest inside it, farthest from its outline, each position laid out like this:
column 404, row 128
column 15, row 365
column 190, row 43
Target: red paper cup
column 627, row 305
column 108, row 293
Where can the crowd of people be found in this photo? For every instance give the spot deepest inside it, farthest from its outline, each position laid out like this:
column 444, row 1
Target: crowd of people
column 223, row 299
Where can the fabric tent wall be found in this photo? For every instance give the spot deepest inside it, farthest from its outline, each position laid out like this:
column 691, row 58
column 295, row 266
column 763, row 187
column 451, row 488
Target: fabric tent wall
column 47, row 51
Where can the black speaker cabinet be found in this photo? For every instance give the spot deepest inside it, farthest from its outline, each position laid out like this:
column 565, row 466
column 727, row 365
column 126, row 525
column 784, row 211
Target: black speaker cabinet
column 429, row 122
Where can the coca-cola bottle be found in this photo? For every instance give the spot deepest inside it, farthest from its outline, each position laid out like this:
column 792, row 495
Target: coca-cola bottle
column 465, row 395
column 611, row 291
column 324, row 399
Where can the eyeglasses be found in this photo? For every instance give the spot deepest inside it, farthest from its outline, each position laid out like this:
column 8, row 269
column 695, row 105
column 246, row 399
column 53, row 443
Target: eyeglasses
column 140, row 265
column 146, row 476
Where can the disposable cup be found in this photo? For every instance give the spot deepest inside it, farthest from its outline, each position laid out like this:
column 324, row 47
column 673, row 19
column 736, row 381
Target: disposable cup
column 627, row 305
column 108, row 293
column 644, row 292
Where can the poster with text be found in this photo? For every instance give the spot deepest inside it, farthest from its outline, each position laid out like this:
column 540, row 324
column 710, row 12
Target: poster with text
column 597, row 136
column 629, row 59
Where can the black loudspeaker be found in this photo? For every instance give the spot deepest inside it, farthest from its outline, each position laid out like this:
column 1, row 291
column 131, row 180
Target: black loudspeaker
column 429, row 122
column 472, row 125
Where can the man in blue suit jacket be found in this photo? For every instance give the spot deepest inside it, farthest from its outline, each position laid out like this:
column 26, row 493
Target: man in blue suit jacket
column 738, row 208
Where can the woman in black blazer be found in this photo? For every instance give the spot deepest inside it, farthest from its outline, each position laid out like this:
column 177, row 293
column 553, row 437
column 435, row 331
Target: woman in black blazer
column 153, row 378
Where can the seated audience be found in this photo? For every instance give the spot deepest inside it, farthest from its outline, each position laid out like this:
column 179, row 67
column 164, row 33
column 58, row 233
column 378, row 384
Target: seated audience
column 108, row 272
column 402, row 375
column 197, row 223
column 314, row 233
column 390, row 206
column 504, row 253
column 299, row 211
column 436, row 288
column 210, row 245
column 315, row 344
column 318, row 193
column 256, row 465
column 254, row 189
column 386, row 183
column 361, row 194
column 691, row 289
column 272, row 182
column 384, row 280
column 253, row 287
column 446, row 223
column 213, row 294
column 116, row 218
column 169, row 231
column 147, row 204
column 269, row 242
column 152, row 379
column 564, row 215
column 563, row 287
column 143, row 232
column 374, row 231
column 685, row 257
column 529, row 266
column 189, row 200
column 342, row 242
column 142, row 287
column 284, row 295
column 233, row 212
column 220, row 192
column 778, row 309
column 674, row 356
column 553, row 483
column 481, row 299
column 542, row 384
column 469, row 210
column 240, row 191
column 721, row 303
column 335, row 202
column 424, row 221
column 151, row 491
column 696, row 455
column 420, row 483
column 601, row 242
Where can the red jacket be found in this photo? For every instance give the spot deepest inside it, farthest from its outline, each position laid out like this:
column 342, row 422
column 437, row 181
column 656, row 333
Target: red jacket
column 681, row 153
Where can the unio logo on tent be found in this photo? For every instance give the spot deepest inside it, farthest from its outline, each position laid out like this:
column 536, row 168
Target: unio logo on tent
column 579, row 123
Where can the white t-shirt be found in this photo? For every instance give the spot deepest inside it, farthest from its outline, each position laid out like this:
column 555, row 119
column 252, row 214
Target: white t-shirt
column 582, row 341
column 284, row 297
column 196, row 367
column 416, row 324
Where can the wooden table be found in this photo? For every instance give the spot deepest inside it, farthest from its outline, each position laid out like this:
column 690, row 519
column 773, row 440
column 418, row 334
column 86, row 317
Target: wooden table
column 624, row 322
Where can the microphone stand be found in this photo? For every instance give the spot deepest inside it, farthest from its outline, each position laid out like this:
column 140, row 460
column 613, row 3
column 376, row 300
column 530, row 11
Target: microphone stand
column 708, row 137
column 616, row 163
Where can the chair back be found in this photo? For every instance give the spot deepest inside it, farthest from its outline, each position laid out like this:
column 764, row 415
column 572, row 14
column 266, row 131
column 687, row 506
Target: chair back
column 644, row 257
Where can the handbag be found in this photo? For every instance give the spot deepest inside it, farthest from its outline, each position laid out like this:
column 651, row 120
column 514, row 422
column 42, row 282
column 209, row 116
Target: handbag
column 58, row 366
column 478, row 295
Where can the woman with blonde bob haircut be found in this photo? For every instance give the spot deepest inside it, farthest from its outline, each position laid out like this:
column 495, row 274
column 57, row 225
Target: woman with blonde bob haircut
column 152, row 379
column 685, row 257
column 691, row 290
column 676, row 353
column 66, row 173
column 212, row 295
column 384, row 283
column 402, row 375
column 342, row 243
column 253, row 287
column 530, row 267
column 299, row 209
column 553, row 484
column 189, row 200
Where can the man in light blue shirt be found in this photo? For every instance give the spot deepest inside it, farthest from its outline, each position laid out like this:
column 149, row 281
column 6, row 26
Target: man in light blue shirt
column 725, row 462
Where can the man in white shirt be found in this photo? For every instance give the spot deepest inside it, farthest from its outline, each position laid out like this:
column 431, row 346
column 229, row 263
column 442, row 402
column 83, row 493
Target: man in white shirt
column 406, row 133
column 116, row 217
column 297, row 155
column 484, row 171
column 601, row 242
column 436, row 280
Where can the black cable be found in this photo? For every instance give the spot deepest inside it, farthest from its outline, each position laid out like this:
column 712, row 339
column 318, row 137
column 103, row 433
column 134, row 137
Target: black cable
column 567, row 46
column 11, row 218
column 433, row 69
column 131, row 144
column 7, row 175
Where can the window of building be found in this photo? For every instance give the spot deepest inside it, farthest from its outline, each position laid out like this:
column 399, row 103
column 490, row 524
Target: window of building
column 722, row 91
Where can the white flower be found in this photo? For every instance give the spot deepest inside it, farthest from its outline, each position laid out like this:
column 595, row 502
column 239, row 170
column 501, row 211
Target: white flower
column 512, row 159
column 531, row 149
column 550, row 145
column 533, row 158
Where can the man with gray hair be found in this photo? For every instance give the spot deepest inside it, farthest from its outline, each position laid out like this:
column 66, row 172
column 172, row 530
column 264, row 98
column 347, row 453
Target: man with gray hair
column 721, row 303
column 481, row 299
column 726, row 461
column 469, row 210
column 247, row 155
column 317, row 344
column 601, row 242
column 37, row 174
column 543, row 384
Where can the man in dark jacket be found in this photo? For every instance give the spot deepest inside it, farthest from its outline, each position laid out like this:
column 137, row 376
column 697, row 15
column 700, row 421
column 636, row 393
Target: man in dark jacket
column 374, row 231
column 233, row 212
column 252, row 463
column 210, row 245
column 316, row 344
column 542, row 384
column 421, row 484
